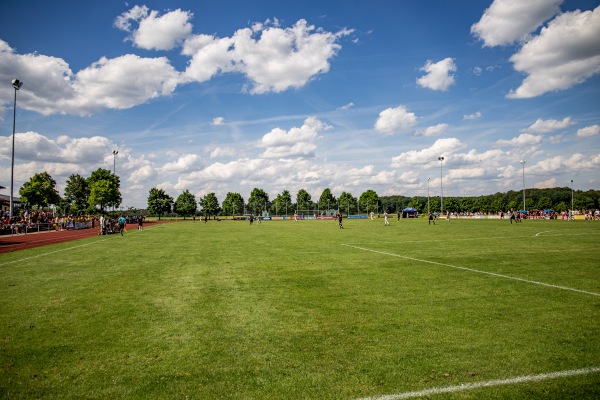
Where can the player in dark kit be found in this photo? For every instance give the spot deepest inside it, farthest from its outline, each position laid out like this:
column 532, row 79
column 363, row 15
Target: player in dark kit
column 340, row 217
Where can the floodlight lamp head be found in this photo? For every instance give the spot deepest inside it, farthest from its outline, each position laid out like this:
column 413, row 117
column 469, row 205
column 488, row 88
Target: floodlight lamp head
column 17, row 84
column 115, row 152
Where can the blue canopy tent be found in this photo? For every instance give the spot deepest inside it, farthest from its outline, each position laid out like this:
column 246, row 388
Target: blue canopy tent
column 409, row 213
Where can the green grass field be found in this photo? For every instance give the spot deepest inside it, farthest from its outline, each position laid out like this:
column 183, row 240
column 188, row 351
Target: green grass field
column 305, row 310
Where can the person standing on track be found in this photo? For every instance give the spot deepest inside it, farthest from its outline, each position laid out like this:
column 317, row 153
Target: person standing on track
column 122, row 221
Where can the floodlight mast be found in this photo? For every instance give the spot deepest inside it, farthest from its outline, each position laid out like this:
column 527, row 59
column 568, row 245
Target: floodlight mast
column 441, row 186
column 17, row 84
column 523, row 162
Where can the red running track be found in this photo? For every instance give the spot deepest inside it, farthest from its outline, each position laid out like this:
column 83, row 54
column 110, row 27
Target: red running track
column 9, row 243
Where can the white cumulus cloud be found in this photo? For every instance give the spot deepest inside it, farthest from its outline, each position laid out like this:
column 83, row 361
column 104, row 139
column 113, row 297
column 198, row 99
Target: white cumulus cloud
column 525, row 139
column 588, row 131
column 297, row 142
column 155, row 31
column 185, row 163
column 274, row 59
column 508, row 21
column 394, row 120
column 469, row 117
column 566, row 53
column 549, row 125
column 438, row 75
column 433, row 130
column 441, row 147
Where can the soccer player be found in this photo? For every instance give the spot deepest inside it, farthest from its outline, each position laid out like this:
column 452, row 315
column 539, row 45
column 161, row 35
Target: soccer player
column 340, row 217
column 121, row 224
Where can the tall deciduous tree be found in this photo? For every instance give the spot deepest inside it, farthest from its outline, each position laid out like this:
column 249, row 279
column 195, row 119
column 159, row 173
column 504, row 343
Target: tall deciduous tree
column 209, row 204
column 233, row 204
column 347, row 203
column 186, row 204
column 159, row 202
column 40, row 191
column 259, row 200
column 105, row 185
column 369, row 201
column 77, row 192
column 282, row 202
column 103, row 194
column 327, row 200
column 303, row 199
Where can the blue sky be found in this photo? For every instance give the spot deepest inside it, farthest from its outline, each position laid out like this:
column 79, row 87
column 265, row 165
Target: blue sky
column 214, row 96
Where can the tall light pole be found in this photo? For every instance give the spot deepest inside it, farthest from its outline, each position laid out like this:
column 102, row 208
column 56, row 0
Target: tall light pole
column 428, row 179
column 572, row 214
column 17, row 85
column 115, row 152
column 441, row 186
column 523, row 162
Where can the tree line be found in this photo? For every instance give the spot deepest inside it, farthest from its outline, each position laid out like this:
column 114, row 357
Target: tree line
column 556, row 199
column 101, row 190
column 89, row 195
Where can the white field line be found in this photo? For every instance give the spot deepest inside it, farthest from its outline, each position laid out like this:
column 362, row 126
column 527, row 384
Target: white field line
column 69, row 248
column 473, row 270
column 539, row 234
column 479, row 385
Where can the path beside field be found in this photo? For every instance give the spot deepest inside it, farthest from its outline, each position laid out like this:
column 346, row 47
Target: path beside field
column 10, row 243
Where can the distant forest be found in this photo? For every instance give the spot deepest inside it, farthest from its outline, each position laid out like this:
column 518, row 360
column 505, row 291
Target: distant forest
column 557, row 199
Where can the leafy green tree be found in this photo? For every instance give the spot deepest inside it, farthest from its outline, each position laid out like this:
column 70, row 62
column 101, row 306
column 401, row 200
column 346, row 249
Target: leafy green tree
column 498, row 205
column 159, row 202
column 512, row 205
column 259, row 200
column 544, row 203
column 347, row 203
column 434, row 205
column 111, row 193
column 466, row 204
column 77, row 192
column 451, row 204
column 40, row 191
column 186, row 204
column 103, row 193
column 210, row 205
column 303, row 199
column 233, row 204
column 327, row 201
column 369, row 201
column 582, row 201
column 562, row 206
column 417, row 205
column 282, row 202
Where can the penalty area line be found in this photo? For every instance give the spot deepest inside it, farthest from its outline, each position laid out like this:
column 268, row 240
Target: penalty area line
column 479, row 385
column 472, row 270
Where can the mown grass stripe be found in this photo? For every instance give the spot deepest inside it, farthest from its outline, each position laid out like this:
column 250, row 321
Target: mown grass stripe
column 472, row 270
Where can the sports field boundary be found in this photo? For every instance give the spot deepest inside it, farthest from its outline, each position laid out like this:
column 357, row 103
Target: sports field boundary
column 484, row 384
column 471, row 270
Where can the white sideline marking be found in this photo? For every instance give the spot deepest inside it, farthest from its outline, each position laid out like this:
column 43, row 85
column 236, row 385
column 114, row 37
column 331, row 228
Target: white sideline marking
column 473, row 270
column 68, row 248
column 539, row 233
column 479, row 385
